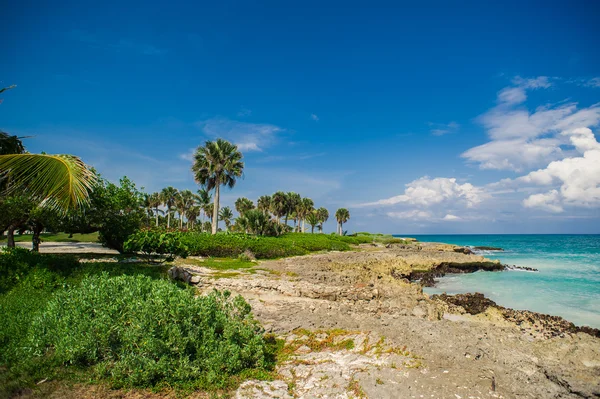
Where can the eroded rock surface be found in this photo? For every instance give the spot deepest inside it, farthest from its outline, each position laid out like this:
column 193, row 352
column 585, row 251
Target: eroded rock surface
column 456, row 353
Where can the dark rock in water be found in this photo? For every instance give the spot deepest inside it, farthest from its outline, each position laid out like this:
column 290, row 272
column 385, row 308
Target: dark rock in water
column 472, row 303
column 547, row 325
column 463, row 250
column 515, row 267
column 484, row 248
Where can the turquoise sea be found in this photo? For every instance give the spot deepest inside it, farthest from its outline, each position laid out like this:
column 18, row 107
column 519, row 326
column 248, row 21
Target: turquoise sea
column 567, row 284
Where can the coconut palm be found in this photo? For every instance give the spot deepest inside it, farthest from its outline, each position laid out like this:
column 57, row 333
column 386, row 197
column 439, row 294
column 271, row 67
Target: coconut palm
column 192, row 215
column 264, row 204
column 293, row 201
column 217, row 163
column 203, row 199
column 313, row 220
column 184, row 201
column 168, row 196
column 323, row 215
column 307, row 205
column 226, row 215
column 154, row 202
column 279, row 203
column 256, row 222
column 342, row 215
column 59, row 182
column 243, row 205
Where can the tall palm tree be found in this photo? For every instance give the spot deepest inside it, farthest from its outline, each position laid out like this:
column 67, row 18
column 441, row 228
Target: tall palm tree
column 168, row 196
column 184, row 201
column 154, row 202
column 293, row 201
column 279, row 203
column 217, row 163
column 313, row 220
column 192, row 215
column 226, row 215
column 243, row 205
column 264, row 204
column 60, row 182
column 204, row 199
column 323, row 215
column 305, row 208
column 342, row 215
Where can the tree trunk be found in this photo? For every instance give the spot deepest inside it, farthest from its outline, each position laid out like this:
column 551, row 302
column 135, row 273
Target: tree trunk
column 215, row 224
column 180, row 220
column 341, row 229
column 35, row 241
column 312, row 229
column 168, row 218
column 156, row 217
column 10, row 236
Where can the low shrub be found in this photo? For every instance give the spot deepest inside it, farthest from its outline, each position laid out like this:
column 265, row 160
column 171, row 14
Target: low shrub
column 16, row 263
column 317, row 242
column 140, row 332
column 153, row 242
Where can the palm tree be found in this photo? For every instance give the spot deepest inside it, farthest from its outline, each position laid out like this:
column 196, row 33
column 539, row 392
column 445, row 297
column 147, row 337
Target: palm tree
column 243, row 205
column 313, row 220
column 226, row 215
column 154, row 201
column 255, row 222
column 60, row 182
column 293, row 201
column 305, row 208
column 217, row 163
column 192, row 215
column 204, row 199
column 323, row 215
column 184, row 201
column 279, row 205
column 342, row 215
column 168, row 196
column 264, row 204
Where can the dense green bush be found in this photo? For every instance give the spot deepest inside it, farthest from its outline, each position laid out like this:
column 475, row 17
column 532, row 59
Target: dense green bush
column 317, row 242
column 16, row 263
column 142, row 332
column 149, row 242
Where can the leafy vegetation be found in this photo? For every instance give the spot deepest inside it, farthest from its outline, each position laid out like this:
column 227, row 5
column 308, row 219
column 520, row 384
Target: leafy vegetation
column 149, row 243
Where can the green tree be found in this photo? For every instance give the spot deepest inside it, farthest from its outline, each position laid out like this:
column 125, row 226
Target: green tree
column 313, row 220
column 307, row 205
column 342, row 215
column 292, row 203
column 323, row 215
column 217, row 163
column 263, row 204
column 192, row 216
column 226, row 215
column 154, row 202
column 279, row 202
column 39, row 219
column 243, row 205
column 183, row 201
column 204, row 199
column 14, row 213
column 168, row 196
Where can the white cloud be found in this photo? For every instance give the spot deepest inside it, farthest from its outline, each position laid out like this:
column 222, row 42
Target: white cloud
column 314, row 117
column 521, row 139
column 427, row 192
column 410, row 215
column 451, row 218
column 247, row 136
column 440, row 129
column 578, row 177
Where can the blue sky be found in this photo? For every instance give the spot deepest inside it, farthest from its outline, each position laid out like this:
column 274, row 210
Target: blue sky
column 469, row 117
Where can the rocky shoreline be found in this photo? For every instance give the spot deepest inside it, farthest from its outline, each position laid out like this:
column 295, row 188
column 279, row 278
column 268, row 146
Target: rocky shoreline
column 448, row 346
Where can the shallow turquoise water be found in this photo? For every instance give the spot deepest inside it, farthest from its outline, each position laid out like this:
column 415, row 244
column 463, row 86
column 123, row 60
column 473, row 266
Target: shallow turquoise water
column 567, row 284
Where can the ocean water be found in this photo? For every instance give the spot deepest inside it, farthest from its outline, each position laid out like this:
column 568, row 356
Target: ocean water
column 567, row 284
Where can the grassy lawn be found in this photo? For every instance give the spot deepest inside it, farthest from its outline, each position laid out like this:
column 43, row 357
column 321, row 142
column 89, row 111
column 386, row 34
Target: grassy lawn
column 59, row 237
column 218, row 263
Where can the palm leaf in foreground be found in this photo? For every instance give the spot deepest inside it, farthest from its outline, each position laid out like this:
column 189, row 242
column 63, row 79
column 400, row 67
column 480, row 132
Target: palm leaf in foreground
column 61, row 182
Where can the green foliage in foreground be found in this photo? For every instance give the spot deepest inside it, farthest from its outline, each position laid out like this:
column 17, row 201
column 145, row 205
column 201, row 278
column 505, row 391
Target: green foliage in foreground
column 122, row 323
column 59, row 237
column 141, row 332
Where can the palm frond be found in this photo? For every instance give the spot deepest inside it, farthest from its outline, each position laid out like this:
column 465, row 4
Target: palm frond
column 61, row 182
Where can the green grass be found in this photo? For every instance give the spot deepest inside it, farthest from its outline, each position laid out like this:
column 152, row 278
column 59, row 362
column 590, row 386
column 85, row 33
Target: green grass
column 219, row 263
column 58, row 237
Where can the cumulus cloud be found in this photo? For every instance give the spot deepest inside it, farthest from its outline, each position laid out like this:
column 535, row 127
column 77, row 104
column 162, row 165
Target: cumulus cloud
column 521, row 139
column 451, row 218
column 247, row 136
column 426, row 192
column 410, row 215
column 578, row 177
